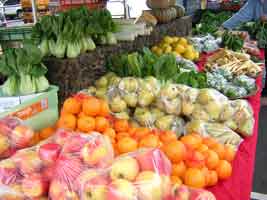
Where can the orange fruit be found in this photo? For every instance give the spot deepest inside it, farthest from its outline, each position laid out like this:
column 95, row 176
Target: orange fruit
column 210, row 142
column 149, row 141
column 178, row 169
column 195, row 160
column 86, row 124
column 81, row 114
column 194, row 178
column 212, row 178
column 224, row 169
column 175, row 151
column 121, row 125
column 46, row 133
column 205, row 171
column 72, row 105
column 67, row 121
column 167, row 136
column 229, row 153
column 126, row 145
column 91, row 106
column 141, row 132
column 104, row 108
column 219, row 149
column 35, row 139
column 132, row 130
column 212, row 159
column 101, row 124
column 176, row 180
column 110, row 132
column 191, row 141
column 121, row 135
column 202, row 148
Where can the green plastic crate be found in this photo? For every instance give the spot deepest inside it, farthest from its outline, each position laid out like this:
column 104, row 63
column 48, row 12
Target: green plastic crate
column 37, row 111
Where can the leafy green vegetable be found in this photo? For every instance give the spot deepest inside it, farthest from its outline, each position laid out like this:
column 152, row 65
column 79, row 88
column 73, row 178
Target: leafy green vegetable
column 232, row 41
column 193, row 79
column 23, row 66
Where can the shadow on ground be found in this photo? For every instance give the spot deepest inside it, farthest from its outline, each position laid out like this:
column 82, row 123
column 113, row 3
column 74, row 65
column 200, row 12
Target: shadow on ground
column 260, row 173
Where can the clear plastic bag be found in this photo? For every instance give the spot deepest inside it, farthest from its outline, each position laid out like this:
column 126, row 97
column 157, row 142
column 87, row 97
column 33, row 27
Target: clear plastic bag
column 13, row 136
column 144, row 175
column 62, row 158
column 219, row 132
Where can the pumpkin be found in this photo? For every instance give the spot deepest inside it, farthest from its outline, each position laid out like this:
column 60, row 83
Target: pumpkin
column 156, row 4
column 165, row 15
column 180, row 11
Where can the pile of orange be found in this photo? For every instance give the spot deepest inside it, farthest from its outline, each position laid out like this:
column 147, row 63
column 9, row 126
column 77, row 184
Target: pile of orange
column 197, row 162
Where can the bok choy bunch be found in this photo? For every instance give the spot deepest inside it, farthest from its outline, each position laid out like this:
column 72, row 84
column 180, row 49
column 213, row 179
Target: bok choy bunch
column 24, row 71
column 73, row 32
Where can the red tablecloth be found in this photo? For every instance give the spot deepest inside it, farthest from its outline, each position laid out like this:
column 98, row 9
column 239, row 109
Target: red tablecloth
column 239, row 186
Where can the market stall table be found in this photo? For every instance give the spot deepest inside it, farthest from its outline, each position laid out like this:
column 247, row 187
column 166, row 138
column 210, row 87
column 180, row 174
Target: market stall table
column 239, row 186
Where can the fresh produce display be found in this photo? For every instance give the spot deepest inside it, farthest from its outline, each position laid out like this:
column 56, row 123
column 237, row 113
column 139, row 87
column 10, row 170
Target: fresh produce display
column 258, row 30
column 210, row 22
column 232, row 41
column 13, row 136
column 234, row 62
column 73, row 32
column 24, row 70
column 177, row 46
column 206, row 44
column 234, row 87
column 33, row 172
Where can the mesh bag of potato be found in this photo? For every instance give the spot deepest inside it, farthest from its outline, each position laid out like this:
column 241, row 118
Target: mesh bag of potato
column 13, row 136
column 61, row 158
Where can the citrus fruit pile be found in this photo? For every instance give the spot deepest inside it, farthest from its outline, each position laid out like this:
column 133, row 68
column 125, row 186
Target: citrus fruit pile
column 177, row 46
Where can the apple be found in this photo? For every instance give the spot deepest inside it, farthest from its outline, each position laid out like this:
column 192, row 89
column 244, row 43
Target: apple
column 5, row 144
column 154, row 160
column 49, row 152
column 68, row 168
column 74, row 144
column 94, row 154
column 181, row 192
column 28, row 161
column 152, row 186
column 62, row 136
column 121, row 189
column 34, row 186
column 201, row 194
column 94, row 186
column 57, row 189
column 124, row 168
column 7, row 124
column 8, row 172
column 21, row 136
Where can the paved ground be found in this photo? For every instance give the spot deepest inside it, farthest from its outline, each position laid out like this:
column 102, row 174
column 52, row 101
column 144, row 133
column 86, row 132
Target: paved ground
column 260, row 174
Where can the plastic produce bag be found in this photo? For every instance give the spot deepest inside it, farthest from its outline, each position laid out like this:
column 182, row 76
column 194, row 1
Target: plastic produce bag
column 220, row 132
column 185, row 193
column 144, row 175
column 60, row 158
column 13, row 136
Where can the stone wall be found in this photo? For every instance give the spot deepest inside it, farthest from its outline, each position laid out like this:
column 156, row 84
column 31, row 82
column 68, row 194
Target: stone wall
column 72, row 75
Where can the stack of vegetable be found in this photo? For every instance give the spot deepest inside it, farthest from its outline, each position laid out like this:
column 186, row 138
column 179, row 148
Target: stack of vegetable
column 177, row 46
column 210, row 22
column 73, row 32
column 24, row 71
column 206, row 44
column 232, row 41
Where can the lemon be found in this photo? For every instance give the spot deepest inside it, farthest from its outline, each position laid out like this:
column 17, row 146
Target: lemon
column 190, row 55
column 196, row 55
column 165, row 46
column 180, row 49
column 168, row 49
column 168, row 40
column 154, row 48
column 176, row 54
column 159, row 52
column 175, row 39
column 183, row 41
column 190, row 47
